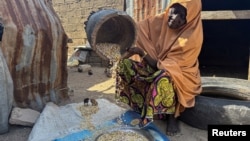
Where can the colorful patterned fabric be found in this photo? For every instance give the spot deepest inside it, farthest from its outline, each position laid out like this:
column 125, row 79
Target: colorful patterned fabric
column 145, row 90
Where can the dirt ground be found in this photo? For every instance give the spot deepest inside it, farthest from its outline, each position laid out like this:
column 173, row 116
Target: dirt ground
column 98, row 85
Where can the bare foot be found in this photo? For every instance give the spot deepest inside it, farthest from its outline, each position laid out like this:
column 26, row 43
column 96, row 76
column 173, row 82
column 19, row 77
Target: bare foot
column 172, row 126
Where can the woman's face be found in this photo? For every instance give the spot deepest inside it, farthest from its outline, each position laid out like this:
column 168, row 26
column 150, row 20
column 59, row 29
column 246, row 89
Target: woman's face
column 176, row 16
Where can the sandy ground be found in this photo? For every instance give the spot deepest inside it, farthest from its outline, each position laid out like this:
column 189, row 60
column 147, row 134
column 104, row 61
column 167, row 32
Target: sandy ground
column 99, row 85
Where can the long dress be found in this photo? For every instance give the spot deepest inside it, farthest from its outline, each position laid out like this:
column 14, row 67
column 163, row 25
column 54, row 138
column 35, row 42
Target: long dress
column 147, row 91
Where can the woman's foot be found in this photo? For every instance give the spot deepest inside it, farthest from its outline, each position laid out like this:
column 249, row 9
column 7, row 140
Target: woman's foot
column 172, row 126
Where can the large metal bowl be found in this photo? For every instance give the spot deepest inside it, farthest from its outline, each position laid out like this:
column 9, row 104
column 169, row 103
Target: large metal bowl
column 141, row 132
column 110, row 26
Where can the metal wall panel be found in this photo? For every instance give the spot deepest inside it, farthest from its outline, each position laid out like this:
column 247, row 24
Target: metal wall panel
column 34, row 45
column 140, row 9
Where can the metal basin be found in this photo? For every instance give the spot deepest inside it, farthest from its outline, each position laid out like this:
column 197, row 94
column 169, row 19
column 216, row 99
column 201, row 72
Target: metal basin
column 143, row 135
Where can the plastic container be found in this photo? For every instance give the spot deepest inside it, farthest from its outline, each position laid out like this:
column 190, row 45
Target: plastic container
column 110, row 26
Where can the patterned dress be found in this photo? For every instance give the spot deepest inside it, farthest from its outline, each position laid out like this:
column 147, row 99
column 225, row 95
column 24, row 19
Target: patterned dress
column 147, row 91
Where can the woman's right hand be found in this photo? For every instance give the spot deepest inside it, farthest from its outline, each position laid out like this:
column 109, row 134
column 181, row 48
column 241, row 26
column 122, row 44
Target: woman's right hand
column 132, row 51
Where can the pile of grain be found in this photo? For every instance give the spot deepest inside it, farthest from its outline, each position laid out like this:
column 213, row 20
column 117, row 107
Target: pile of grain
column 87, row 112
column 122, row 136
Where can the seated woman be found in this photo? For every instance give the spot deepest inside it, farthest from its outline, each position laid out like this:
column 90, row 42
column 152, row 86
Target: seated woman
column 160, row 75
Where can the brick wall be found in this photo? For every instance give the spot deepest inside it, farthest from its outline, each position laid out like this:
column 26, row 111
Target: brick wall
column 73, row 13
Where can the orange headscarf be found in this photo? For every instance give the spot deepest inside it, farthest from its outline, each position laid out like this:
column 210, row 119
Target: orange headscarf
column 177, row 51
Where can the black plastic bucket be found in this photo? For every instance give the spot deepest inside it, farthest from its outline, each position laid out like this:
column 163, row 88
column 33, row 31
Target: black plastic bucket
column 111, row 26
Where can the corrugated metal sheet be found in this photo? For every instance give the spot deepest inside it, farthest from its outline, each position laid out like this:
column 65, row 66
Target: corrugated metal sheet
column 140, row 9
column 34, row 45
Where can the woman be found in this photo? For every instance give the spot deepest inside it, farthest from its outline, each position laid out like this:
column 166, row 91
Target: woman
column 160, row 75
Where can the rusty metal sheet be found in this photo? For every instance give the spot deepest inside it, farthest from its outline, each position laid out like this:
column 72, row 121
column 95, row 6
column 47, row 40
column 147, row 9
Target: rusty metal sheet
column 34, row 45
column 145, row 8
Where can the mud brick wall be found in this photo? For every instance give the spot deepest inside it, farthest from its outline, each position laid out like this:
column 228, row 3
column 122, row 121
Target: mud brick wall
column 73, row 14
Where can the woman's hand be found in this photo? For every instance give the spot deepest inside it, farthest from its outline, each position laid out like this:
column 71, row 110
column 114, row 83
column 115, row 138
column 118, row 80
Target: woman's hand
column 132, row 51
column 136, row 50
